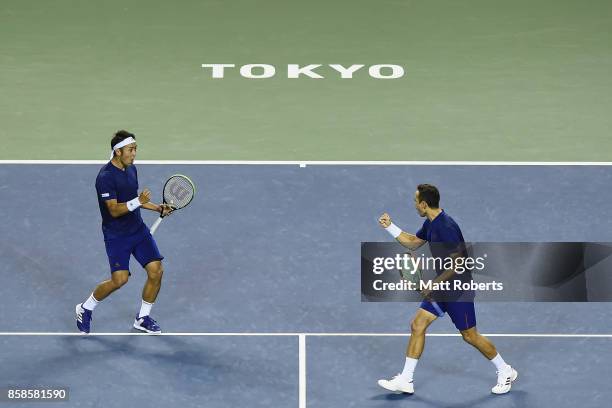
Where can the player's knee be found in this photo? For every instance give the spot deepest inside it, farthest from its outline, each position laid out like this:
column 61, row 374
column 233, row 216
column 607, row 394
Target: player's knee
column 469, row 336
column 119, row 279
column 418, row 326
column 155, row 274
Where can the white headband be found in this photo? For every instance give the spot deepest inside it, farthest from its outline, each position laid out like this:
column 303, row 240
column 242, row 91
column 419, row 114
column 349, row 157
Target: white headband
column 122, row 143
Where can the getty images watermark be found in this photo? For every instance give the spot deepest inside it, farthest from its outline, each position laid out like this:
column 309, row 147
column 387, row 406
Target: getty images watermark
column 487, row 271
column 411, row 269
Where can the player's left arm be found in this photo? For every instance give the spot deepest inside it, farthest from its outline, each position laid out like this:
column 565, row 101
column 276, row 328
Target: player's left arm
column 152, row 206
column 162, row 209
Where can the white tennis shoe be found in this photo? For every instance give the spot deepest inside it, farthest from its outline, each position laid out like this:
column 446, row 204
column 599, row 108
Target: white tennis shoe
column 397, row 384
column 505, row 378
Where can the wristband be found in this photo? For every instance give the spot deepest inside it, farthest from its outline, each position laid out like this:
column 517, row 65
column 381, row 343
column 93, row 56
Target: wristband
column 133, row 204
column 394, row 230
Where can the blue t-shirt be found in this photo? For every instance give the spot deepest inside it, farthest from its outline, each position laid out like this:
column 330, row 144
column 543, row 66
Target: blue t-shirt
column 121, row 185
column 444, row 236
column 442, row 229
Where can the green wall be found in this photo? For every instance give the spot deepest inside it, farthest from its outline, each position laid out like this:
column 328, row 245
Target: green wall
column 485, row 80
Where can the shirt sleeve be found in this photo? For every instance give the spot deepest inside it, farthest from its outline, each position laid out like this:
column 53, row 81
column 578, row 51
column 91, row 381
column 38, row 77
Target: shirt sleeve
column 105, row 187
column 422, row 233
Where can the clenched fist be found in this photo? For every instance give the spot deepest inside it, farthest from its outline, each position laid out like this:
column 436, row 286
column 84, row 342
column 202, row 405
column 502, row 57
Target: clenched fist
column 384, row 220
column 145, row 196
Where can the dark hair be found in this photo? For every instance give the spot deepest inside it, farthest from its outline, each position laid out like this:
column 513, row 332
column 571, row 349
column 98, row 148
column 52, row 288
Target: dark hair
column 430, row 194
column 120, row 136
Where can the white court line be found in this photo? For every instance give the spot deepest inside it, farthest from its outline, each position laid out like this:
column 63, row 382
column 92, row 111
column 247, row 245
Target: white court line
column 305, row 334
column 304, row 163
column 302, row 371
column 302, row 343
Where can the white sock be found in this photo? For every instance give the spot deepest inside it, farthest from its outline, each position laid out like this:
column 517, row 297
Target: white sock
column 409, row 367
column 90, row 303
column 145, row 309
column 499, row 362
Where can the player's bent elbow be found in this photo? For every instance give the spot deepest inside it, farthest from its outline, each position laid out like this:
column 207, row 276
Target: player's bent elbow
column 413, row 245
column 115, row 212
column 418, row 243
column 407, row 243
column 114, row 208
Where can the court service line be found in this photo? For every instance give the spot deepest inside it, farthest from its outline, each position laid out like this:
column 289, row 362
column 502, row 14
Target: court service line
column 305, row 163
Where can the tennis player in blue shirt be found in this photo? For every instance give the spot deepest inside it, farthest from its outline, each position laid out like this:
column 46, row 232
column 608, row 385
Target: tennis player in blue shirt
column 440, row 228
column 125, row 233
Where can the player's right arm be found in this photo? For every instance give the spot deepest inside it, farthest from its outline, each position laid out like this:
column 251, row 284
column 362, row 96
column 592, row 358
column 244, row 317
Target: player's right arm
column 408, row 240
column 119, row 209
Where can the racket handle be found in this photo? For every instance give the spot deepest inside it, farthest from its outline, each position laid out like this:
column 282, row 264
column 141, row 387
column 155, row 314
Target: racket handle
column 155, row 225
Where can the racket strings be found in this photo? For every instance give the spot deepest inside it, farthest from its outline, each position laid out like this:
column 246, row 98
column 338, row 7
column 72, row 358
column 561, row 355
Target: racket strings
column 178, row 192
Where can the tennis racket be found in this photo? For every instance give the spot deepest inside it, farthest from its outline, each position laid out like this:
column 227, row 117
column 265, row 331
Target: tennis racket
column 178, row 193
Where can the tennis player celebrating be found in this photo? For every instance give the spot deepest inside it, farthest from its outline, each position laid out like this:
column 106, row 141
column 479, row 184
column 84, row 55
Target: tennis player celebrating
column 125, row 233
column 440, row 227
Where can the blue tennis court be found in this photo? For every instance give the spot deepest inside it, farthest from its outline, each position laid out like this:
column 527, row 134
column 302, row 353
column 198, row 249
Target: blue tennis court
column 553, row 372
column 156, row 371
column 275, row 249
